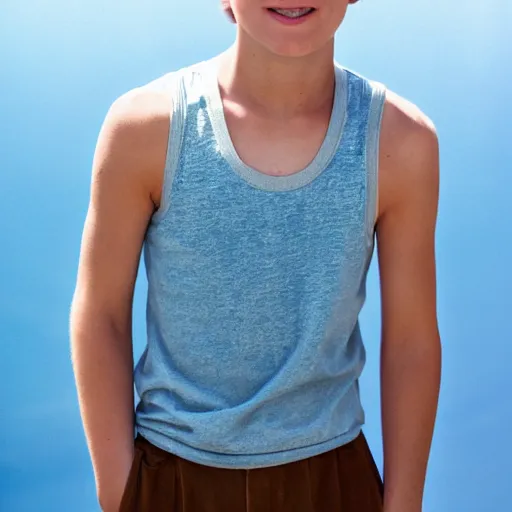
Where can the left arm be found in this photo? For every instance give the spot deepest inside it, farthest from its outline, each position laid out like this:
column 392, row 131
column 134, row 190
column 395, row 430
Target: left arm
column 410, row 349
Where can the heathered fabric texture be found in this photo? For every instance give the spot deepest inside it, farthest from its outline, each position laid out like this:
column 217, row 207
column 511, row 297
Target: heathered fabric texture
column 255, row 286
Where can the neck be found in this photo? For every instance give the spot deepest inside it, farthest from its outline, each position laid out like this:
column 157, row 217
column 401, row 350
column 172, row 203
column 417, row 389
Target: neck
column 277, row 86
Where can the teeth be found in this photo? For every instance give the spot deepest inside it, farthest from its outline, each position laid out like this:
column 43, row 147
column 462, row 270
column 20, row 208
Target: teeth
column 294, row 13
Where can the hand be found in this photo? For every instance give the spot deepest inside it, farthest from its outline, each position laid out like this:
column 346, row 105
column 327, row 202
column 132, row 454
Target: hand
column 402, row 508
column 111, row 494
column 111, row 502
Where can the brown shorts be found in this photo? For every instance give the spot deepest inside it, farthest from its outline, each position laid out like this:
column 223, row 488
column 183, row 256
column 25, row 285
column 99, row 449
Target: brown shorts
column 342, row 480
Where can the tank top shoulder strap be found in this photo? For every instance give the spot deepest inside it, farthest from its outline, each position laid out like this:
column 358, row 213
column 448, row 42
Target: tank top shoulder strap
column 366, row 99
column 173, row 85
column 377, row 100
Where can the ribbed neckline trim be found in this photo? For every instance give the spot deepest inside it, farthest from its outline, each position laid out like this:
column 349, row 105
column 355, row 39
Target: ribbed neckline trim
column 256, row 178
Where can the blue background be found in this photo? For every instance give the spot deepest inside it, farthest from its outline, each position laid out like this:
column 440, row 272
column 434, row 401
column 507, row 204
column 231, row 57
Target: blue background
column 62, row 65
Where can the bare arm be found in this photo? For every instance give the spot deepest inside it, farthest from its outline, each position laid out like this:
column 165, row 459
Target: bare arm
column 411, row 351
column 126, row 175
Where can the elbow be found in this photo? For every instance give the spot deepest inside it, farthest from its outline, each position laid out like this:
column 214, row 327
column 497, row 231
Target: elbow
column 419, row 351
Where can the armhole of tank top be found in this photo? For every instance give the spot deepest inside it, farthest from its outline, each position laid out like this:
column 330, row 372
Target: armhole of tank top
column 176, row 131
column 378, row 98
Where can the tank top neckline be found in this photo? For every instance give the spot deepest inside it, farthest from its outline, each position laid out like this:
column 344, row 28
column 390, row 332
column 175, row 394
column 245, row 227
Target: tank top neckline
column 254, row 177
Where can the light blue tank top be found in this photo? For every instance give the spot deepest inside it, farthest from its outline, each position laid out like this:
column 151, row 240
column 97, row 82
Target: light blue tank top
column 256, row 283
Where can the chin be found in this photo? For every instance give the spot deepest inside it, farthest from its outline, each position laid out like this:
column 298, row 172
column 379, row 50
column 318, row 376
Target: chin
column 294, row 49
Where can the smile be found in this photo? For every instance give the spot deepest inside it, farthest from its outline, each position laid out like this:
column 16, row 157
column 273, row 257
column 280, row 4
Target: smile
column 294, row 13
column 291, row 16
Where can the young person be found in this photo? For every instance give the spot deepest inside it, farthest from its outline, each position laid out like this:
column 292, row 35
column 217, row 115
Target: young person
column 256, row 182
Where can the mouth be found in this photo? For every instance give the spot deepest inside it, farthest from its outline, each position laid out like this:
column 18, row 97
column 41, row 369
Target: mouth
column 293, row 14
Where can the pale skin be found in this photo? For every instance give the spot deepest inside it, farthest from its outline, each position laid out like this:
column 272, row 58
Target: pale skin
column 277, row 95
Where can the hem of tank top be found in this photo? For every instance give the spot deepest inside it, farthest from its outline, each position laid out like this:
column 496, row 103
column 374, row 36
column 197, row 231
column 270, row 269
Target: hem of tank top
column 373, row 133
column 245, row 461
column 174, row 143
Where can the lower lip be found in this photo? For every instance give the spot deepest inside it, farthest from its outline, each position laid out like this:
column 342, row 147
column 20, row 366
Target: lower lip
column 285, row 20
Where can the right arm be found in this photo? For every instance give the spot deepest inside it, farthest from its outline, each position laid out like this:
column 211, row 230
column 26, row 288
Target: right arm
column 126, row 182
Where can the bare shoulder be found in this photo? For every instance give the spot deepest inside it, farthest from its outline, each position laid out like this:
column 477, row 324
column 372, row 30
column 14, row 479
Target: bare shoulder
column 409, row 152
column 134, row 137
column 141, row 107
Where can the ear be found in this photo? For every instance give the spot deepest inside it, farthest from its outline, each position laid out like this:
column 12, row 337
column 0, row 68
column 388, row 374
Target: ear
column 230, row 15
column 226, row 7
